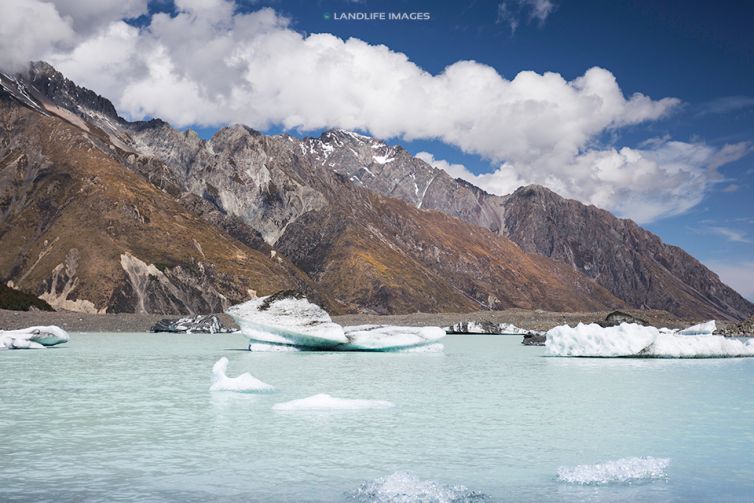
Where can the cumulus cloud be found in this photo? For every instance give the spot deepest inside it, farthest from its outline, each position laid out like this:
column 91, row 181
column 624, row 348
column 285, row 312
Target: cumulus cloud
column 30, row 29
column 661, row 179
column 208, row 64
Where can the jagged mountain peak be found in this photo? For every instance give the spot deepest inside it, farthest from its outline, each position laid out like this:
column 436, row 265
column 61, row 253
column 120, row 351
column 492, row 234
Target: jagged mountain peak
column 65, row 93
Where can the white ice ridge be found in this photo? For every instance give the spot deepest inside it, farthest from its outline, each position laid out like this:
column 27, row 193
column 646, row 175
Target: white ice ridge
column 706, row 328
column 404, row 487
column 639, row 341
column 244, row 383
column 624, row 470
column 323, row 401
column 33, row 337
column 287, row 320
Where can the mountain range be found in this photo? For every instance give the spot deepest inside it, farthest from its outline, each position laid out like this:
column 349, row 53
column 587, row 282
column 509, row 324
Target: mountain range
column 100, row 214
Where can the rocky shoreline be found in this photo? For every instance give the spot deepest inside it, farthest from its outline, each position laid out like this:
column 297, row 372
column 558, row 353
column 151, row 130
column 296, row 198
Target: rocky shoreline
column 526, row 319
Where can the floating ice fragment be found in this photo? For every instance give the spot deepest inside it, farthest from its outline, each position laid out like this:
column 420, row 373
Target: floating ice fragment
column 244, row 383
column 33, row 337
column 624, row 470
column 323, row 401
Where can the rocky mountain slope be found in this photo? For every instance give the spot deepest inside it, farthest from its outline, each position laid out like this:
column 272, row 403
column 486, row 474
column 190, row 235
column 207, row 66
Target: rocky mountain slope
column 85, row 233
column 102, row 214
column 318, row 206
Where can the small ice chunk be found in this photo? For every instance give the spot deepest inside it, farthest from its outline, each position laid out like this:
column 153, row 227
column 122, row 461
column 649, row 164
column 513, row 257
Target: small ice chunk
column 323, row 401
column 244, row 383
column 624, row 470
column 706, row 328
column 33, row 337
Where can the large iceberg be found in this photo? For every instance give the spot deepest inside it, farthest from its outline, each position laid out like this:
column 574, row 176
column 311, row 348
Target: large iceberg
column 287, row 318
column 33, row 337
column 323, row 401
column 244, row 383
column 639, row 341
column 288, row 321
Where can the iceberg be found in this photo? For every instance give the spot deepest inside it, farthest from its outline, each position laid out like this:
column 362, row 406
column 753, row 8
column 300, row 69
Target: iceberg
column 624, row 470
column 389, row 338
column 243, row 383
column 323, row 402
column 706, row 328
column 33, row 337
column 287, row 318
column 631, row 340
column 287, row 321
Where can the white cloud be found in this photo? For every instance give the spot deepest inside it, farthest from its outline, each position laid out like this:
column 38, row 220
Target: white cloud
column 29, row 28
column 730, row 234
column 511, row 12
column 661, row 179
column 739, row 276
column 209, row 65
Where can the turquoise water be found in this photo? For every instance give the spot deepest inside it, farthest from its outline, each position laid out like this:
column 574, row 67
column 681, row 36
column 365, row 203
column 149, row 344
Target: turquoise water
column 129, row 418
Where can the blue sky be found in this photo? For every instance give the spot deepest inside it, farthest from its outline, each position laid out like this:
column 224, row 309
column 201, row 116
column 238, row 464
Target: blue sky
column 645, row 108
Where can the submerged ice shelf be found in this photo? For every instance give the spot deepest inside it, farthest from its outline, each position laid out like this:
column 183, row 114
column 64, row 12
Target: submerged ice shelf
column 324, row 402
column 287, row 321
column 633, row 340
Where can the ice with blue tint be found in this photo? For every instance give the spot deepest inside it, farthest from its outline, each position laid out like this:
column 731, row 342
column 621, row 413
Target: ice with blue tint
column 33, row 337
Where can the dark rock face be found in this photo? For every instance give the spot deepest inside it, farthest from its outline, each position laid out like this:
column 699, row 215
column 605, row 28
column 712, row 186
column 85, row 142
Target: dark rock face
column 617, row 317
column 632, row 263
column 208, row 324
column 534, row 340
column 16, row 300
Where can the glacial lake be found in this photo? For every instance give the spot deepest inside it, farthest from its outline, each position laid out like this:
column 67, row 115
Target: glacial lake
column 129, row 417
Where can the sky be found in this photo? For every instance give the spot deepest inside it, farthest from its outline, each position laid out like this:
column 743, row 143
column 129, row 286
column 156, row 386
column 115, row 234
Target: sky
column 643, row 108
